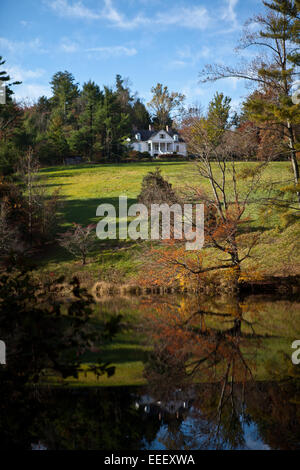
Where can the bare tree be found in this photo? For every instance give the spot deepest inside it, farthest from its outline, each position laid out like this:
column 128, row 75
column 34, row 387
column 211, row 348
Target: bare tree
column 79, row 241
column 226, row 199
column 41, row 208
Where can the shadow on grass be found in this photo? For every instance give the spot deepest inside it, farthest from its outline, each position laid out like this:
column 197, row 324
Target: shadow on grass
column 117, row 355
column 108, row 165
column 244, row 230
column 54, row 169
column 83, row 211
column 53, row 185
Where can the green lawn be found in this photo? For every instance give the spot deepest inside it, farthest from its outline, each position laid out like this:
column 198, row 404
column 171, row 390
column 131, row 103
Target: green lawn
column 84, row 187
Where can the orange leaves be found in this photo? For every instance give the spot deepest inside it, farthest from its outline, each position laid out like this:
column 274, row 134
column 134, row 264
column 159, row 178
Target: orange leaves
column 204, row 343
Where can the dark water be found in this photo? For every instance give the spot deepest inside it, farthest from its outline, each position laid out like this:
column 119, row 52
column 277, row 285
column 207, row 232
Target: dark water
column 263, row 416
column 220, row 377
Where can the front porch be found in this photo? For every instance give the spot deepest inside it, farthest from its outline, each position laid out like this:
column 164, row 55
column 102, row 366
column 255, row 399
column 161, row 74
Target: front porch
column 162, row 148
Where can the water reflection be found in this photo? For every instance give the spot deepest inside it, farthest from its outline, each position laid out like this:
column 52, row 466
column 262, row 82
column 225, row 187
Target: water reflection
column 264, row 416
column 219, row 377
column 222, row 350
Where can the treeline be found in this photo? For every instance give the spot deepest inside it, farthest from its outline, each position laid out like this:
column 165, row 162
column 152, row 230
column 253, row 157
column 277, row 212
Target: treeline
column 90, row 122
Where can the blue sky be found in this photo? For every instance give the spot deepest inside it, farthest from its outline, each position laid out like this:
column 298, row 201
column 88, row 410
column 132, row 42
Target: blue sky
column 148, row 41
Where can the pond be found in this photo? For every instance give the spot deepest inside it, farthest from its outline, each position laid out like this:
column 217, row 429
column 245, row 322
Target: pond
column 219, row 375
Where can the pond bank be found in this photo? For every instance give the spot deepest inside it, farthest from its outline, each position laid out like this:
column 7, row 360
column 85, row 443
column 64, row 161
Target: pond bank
column 271, row 285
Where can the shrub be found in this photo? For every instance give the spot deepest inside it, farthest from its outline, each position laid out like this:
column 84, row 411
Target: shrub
column 156, row 190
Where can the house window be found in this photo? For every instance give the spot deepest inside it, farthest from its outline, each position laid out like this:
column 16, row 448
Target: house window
column 175, row 138
column 138, row 136
column 149, row 147
column 155, row 146
column 177, row 148
column 162, row 136
column 169, row 147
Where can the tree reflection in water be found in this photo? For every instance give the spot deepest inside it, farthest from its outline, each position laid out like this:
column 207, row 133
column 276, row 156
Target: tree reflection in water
column 217, row 351
column 203, row 390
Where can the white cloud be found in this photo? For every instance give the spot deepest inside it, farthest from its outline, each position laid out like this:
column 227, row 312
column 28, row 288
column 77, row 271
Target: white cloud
column 68, row 46
column 21, row 46
column 177, row 64
column 25, row 23
column 111, row 14
column 74, row 10
column 196, row 17
column 193, row 91
column 186, row 56
column 28, row 91
column 31, row 92
column 186, row 52
column 229, row 13
column 18, row 74
column 115, row 51
column 78, row 10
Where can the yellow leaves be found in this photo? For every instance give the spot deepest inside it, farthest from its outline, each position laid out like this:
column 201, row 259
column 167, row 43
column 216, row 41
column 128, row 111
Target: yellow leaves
column 290, row 188
column 182, row 280
column 250, row 276
column 231, row 273
column 249, row 172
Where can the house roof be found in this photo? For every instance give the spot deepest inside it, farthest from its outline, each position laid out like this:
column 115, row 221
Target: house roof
column 146, row 134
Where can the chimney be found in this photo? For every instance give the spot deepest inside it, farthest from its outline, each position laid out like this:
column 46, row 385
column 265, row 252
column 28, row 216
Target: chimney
column 150, row 127
column 167, row 128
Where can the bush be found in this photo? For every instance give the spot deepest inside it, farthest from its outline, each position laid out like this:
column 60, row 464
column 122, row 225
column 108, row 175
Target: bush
column 156, row 190
column 145, row 156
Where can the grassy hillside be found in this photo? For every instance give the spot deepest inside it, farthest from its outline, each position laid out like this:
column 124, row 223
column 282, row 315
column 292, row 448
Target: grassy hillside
column 84, row 187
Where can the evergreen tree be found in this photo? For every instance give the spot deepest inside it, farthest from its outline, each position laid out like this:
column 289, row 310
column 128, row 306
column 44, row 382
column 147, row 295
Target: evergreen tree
column 56, row 137
column 10, row 123
column 65, row 91
column 140, row 116
column 113, row 125
column 218, row 116
column 83, row 140
column 124, row 94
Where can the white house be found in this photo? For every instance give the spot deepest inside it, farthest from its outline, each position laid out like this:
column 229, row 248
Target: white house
column 165, row 141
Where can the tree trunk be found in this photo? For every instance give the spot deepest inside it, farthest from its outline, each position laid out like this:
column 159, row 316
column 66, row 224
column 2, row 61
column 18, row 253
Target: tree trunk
column 294, row 158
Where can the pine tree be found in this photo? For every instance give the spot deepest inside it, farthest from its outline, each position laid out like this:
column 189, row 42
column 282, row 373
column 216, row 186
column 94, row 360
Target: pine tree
column 83, row 140
column 139, row 115
column 218, row 116
column 113, row 126
column 65, row 91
